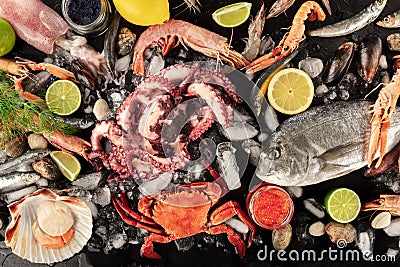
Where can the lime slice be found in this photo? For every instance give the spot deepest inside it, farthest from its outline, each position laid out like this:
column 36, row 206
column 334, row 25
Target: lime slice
column 232, row 15
column 63, row 97
column 342, row 204
column 143, row 13
column 7, row 37
column 290, row 91
column 68, row 164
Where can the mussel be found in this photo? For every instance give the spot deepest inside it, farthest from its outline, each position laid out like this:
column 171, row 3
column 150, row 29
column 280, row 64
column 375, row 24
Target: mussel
column 368, row 54
column 338, row 64
column 84, row 75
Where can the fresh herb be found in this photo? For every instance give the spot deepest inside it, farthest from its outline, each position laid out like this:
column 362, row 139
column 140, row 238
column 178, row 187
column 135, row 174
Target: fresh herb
column 18, row 116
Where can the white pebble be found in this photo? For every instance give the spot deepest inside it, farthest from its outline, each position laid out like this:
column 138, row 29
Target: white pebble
column 296, row 191
column 381, row 220
column 101, row 109
column 37, row 141
column 317, row 229
column 314, row 207
column 383, row 62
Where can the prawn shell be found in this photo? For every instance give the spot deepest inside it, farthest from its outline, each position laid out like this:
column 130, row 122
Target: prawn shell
column 19, row 234
column 339, row 64
column 368, row 55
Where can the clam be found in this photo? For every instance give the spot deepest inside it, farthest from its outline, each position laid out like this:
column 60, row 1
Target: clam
column 317, row 229
column 341, row 232
column 47, row 168
column 381, row 220
column 37, row 141
column 281, row 237
column 16, row 146
column 47, row 228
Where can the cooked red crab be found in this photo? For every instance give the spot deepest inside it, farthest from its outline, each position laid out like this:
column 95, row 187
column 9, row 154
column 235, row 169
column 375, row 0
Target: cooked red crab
column 188, row 210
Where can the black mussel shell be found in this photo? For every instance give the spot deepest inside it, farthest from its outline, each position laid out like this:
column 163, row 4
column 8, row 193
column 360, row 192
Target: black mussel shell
column 368, row 55
column 339, row 63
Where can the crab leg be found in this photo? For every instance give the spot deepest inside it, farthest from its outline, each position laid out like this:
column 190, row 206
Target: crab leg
column 147, row 249
column 233, row 237
column 132, row 221
column 227, row 211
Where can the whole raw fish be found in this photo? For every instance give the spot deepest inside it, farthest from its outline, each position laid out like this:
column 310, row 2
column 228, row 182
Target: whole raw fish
column 390, row 21
column 34, row 22
column 320, row 144
column 15, row 181
column 13, row 165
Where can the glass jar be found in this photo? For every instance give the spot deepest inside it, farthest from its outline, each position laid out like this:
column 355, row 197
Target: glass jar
column 270, row 206
column 96, row 26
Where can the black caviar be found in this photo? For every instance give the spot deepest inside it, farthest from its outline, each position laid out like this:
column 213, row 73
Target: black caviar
column 83, row 12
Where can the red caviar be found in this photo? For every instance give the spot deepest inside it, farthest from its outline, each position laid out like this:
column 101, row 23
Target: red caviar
column 270, row 206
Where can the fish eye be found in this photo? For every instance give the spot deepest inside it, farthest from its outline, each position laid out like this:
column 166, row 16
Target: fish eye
column 274, row 153
column 386, row 20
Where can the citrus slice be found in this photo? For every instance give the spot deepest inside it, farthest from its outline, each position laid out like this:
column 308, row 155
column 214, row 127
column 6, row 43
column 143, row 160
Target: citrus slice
column 143, row 13
column 67, row 163
column 7, row 37
column 342, row 204
column 232, row 15
column 63, row 97
column 290, row 91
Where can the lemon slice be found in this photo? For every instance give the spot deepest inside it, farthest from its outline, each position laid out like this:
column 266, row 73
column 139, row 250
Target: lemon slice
column 7, row 37
column 290, row 91
column 232, row 15
column 342, row 204
column 68, row 164
column 63, row 97
column 142, row 12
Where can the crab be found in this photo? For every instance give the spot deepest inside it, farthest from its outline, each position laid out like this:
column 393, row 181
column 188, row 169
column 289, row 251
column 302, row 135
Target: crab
column 187, row 210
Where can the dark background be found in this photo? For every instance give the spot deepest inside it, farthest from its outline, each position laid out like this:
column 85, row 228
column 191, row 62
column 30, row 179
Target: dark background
column 315, row 47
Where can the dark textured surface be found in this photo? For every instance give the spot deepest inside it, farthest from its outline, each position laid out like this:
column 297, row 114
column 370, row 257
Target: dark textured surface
column 225, row 256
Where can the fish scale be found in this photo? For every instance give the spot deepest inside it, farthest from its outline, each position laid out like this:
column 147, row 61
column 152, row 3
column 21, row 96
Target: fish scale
column 320, row 144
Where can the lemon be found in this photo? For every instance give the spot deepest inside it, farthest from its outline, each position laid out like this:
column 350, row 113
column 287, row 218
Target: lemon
column 68, row 164
column 63, row 97
column 290, row 91
column 342, row 204
column 142, row 12
column 232, row 15
column 7, row 37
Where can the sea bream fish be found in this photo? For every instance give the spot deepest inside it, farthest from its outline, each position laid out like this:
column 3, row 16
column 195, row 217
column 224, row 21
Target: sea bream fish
column 320, row 144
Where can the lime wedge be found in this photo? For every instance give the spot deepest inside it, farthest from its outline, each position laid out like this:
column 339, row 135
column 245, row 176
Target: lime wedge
column 342, row 204
column 68, row 164
column 7, row 37
column 63, row 97
column 232, row 15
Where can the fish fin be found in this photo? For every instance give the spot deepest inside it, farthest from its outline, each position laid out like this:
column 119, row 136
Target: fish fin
column 336, row 169
column 338, row 152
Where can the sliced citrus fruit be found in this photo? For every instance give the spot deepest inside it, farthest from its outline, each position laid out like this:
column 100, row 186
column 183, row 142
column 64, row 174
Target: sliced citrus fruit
column 232, row 15
column 342, row 204
column 68, row 164
column 63, row 97
column 7, row 37
column 143, row 13
column 290, row 91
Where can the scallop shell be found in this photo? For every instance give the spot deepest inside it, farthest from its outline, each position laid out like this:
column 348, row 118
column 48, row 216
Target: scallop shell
column 20, row 238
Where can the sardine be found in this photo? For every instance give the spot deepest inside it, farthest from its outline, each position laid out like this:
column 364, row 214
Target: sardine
column 368, row 55
column 109, row 44
column 79, row 123
column 390, row 21
column 352, row 24
column 279, row 7
column 10, row 197
column 320, row 144
column 30, row 156
column 15, row 181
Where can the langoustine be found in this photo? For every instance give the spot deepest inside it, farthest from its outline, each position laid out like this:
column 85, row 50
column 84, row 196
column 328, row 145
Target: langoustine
column 173, row 32
column 309, row 10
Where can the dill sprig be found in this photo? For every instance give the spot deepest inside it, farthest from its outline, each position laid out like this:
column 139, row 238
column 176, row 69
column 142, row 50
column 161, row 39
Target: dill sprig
column 18, row 116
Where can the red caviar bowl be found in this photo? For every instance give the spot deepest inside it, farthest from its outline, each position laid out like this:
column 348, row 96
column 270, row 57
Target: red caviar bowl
column 270, row 206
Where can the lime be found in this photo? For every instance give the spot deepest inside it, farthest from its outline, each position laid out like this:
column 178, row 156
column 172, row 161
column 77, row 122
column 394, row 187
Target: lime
column 342, row 204
column 63, row 97
column 143, row 13
column 232, row 15
column 7, row 37
column 68, row 164
column 290, row 91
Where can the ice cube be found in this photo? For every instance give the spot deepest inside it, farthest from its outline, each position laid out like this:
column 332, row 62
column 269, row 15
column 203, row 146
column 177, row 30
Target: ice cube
column 312, row 66
column 119, row 240
column 314, row 207
column 184, row 244
column 154, row 186
column 267, row 44
column 238, row 225
column 227, row 163
column 321, row 90
column 253, row 149
column 393, row 229
column 239, row 131
column 295, row 191
column 88, row 181
column 383, row 62
column 365, row 241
